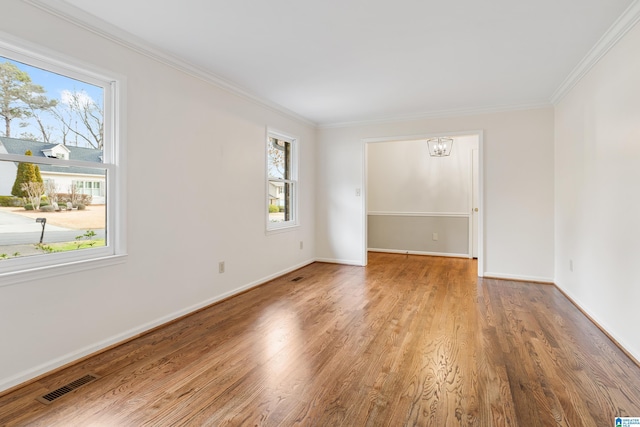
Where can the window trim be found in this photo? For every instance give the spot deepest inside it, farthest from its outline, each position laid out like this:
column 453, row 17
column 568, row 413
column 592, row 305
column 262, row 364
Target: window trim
column 277, row 227
column 35, row 267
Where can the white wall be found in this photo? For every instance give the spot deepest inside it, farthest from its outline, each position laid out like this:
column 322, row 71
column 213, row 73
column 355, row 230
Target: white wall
column 402, row 177
column 196, row 196
column 7, row 174
column 597, row 200
column 518, row 188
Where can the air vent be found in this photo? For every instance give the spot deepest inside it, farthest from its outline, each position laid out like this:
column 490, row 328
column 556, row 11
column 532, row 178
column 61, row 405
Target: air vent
column 56, row 394
column 297, row 279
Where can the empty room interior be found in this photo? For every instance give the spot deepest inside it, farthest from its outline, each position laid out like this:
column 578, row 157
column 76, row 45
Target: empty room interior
column 321, row 213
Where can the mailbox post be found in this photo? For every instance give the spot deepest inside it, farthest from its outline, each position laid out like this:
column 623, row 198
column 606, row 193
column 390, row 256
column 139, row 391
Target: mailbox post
column 42, row 221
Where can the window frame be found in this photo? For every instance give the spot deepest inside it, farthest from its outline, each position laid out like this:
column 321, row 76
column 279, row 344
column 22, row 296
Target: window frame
column 35, row 267
column 293, row 180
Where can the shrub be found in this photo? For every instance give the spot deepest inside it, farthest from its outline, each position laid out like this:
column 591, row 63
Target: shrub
column 281, row 209
column 46, row 208
column 81, row 207
column 84, row 199
column 10, row 201
column 28, row 207
column 25, row 173
column 273, row 209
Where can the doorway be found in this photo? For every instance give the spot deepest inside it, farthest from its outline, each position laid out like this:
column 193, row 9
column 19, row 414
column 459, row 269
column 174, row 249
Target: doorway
column 417, row 204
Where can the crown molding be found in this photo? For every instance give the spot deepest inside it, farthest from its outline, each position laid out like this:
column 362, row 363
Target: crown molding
column 458, row 112
column 91, row 23
column 618, row 29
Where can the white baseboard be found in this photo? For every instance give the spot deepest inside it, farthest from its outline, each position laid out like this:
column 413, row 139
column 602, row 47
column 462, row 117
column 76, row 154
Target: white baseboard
column 398, row 251
column 518, row 277
column 634, row 353
column 29, row 374
column 341, row 261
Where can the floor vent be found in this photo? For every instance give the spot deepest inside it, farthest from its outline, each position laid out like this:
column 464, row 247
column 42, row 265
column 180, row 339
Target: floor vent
column 56, row 394
column 297, row 279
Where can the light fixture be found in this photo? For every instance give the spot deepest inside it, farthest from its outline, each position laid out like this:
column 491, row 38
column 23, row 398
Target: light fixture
column 440, row 147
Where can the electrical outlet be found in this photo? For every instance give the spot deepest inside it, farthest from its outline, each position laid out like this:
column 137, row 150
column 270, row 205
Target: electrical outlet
column 570, row 265
column 434, row 236
column 357, row 192
column 221, row 267
column 301, row 245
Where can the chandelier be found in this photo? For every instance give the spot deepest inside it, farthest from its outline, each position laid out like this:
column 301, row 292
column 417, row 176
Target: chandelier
column 440, row 147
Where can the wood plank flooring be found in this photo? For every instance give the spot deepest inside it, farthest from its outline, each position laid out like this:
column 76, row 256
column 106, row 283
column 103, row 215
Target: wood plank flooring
column 408, row 340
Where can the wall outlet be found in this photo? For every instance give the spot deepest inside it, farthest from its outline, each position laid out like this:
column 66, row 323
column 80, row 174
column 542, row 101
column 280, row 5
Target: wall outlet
column 221, row 267
column 301, row 245
column 358, row 192
column 434, row 236
column 570, row 265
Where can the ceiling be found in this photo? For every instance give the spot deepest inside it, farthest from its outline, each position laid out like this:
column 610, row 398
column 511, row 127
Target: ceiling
column 337, row 61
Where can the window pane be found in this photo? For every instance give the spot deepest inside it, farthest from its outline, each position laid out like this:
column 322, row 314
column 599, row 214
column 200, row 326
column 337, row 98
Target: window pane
column 276, row 201
column 279, row 159
column 280, row 201
column 282, row 176
column 52, row 116
column 74, row 220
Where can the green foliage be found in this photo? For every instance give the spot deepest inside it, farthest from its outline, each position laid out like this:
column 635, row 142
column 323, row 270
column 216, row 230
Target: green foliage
column 19, row 97
column 86, row 239
column 273, row 209
column 27, row 172
column 45, row 248
column 81, row 207
column 6, row 256
column 10, row 201
column 28, row 207
column 47, row 208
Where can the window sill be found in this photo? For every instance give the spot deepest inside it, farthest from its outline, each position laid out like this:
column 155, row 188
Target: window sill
column 47, row 272
column 282, row 229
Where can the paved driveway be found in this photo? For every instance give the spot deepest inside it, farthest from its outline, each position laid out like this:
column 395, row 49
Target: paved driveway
column 17, row 230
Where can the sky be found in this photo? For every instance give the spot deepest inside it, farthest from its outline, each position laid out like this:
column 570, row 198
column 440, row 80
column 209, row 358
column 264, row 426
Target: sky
column 55, row 86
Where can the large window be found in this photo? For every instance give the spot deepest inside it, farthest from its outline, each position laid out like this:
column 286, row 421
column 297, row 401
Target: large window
column 282, row 181
column 60, row 181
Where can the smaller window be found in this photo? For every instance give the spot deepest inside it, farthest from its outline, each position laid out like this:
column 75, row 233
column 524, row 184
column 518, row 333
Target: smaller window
column 282, row 181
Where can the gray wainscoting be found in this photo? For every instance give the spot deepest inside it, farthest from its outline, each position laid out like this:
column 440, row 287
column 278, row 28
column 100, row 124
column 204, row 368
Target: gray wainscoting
column 405, row 232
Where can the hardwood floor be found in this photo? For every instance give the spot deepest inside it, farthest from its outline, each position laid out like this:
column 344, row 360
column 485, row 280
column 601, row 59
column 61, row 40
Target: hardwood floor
column 408, row 340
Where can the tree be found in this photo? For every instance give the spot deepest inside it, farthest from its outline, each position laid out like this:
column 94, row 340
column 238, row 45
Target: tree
column 78, row 106
column 34, row 192
column 19, row 97
column 27, row 172
column 36, row 105
column 51, row 191
column 276, row 158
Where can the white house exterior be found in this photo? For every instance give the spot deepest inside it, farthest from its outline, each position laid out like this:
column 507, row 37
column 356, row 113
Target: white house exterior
column 85, row 179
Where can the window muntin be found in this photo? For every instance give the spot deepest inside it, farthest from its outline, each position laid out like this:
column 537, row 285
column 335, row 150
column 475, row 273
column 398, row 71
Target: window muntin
column 85, row 167
column 282, row 182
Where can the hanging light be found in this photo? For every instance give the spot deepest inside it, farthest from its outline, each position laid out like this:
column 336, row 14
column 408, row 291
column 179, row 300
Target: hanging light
column 440, row 147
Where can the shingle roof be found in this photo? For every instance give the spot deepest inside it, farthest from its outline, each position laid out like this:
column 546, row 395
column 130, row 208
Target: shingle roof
column 20, row 146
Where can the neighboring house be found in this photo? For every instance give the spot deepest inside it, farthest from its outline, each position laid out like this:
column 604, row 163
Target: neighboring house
column 85, row 179
column 276, row 193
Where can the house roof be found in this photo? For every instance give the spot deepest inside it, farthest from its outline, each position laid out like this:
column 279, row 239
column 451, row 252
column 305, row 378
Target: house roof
column 20, row 146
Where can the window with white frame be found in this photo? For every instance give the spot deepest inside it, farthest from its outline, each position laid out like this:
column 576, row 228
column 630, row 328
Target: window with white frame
column 282, row 181
column 60, row 180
